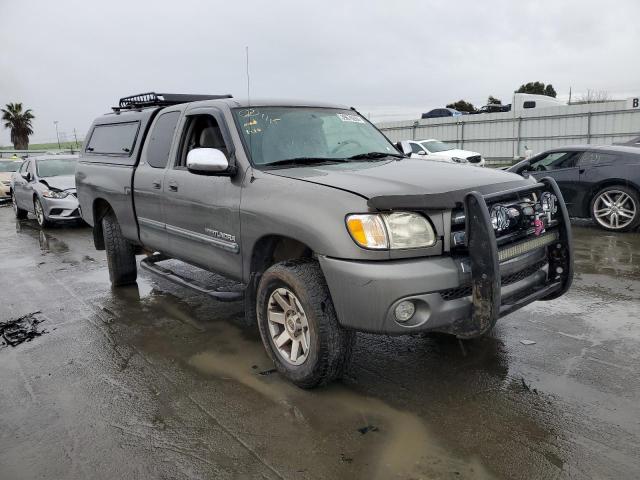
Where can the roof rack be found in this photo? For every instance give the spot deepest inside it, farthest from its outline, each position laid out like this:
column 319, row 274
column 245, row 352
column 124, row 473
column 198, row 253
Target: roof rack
column 152, row 99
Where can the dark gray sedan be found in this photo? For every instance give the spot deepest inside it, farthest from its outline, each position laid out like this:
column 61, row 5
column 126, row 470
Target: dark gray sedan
column 46, row 187
column 601, row 182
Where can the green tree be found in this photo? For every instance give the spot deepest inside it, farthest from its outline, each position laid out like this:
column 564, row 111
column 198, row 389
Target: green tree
column 462, row 106
column 549, row 91
column 537, row 88
column 493, row 100
column 19, row 122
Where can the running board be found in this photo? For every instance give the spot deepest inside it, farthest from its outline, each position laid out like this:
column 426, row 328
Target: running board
column 149, row 263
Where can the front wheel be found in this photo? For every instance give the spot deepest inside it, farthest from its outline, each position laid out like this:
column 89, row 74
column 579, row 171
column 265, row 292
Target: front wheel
column 121, row 256
column 616, row 208
column 299, row 326
column 42, row 219
column 19, row 212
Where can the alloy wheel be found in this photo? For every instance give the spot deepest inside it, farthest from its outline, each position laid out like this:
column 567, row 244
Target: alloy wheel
column 288, row 326
column 39, row 212
column 614, row 209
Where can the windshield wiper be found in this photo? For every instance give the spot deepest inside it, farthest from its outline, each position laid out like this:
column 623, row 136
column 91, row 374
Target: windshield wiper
column 304, row 161
column 375, row 156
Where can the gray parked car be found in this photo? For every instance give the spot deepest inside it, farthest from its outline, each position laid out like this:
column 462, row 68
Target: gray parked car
column 46, row 186
column 330, row 228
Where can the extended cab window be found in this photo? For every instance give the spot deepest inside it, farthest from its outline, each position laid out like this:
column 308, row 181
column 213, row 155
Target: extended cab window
column 201, row 131
column 161, row 139
column 113, row 139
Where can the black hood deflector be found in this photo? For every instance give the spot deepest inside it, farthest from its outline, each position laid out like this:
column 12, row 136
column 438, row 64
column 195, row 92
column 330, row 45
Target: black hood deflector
column 435, row 201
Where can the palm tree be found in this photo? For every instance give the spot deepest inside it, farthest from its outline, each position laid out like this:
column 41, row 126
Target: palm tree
column 20, row 124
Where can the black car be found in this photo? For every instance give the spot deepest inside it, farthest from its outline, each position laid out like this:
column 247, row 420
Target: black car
column 601, row 182
column 442, row 112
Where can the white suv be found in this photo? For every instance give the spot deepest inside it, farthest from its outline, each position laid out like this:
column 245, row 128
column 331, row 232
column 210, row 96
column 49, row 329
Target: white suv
column 443, row 152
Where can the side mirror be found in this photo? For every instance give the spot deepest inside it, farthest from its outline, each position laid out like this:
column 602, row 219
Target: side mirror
column 207, row 160
column 422, row 152
column 26, row 176
column 404, row 147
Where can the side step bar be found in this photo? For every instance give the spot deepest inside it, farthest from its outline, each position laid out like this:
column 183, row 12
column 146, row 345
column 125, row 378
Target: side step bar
column 150, row 264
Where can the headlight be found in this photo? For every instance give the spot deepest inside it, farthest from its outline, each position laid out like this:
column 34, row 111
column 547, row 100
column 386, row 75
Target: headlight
column 396, row 230
column 52, row 194
column 459, row 160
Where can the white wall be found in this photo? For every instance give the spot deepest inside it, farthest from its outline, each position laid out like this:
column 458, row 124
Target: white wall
column 502, row 136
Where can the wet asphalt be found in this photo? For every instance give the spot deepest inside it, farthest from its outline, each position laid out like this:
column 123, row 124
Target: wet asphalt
column 156, row 381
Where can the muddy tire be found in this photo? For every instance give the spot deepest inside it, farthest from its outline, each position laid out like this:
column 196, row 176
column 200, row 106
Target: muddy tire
column 616, row 208
column 121, row 257
column 19, row 212
column 294, row 305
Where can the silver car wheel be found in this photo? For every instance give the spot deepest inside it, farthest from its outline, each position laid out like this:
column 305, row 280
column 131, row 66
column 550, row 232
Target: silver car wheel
column 614, row 209
column 288, row 326
column 39, row 213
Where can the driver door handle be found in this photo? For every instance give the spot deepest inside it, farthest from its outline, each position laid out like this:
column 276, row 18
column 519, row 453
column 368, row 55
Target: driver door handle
column 581, row 171
column 156, row 184
column 173, row 186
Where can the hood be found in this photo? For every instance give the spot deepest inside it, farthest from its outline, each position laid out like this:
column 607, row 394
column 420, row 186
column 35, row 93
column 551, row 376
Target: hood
column 62, row 182
column 408, row 177
column 5, row 176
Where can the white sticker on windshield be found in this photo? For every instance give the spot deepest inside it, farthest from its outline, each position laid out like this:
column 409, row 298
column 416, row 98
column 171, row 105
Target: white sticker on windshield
column 345, row 117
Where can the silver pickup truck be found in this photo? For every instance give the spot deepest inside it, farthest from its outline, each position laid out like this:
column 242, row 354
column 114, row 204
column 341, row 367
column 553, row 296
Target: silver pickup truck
column 329, row 226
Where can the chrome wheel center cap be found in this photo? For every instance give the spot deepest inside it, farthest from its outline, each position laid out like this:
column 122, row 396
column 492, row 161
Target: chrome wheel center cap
column 292, row 323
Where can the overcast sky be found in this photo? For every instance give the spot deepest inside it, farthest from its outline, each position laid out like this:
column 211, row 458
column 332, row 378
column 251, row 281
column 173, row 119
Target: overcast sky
column 71, row 60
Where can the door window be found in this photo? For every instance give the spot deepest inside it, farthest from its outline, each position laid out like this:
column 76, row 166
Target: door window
column 591, row 159
column 556, row 161
column 415, row 148
column 161, row 139
column 201, row 131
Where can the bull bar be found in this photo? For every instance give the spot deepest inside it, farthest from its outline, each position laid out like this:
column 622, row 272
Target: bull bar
column 487, row 301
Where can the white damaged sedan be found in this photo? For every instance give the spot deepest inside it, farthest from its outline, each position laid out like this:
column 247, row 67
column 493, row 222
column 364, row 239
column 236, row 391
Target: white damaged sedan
column 46, row 187
column 433, row 149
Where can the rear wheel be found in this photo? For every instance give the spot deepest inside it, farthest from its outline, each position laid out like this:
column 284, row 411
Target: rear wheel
column 19, row 212
column 121, row 257
column 616, row 208
column 299, row 326
column 40, row 215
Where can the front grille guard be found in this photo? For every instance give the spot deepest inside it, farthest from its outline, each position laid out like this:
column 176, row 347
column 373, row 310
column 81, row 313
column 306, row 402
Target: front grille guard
column 485, row 264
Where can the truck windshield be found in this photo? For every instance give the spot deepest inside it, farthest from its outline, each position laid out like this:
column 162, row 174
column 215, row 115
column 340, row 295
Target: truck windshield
column 283, row 135
column 56, row 167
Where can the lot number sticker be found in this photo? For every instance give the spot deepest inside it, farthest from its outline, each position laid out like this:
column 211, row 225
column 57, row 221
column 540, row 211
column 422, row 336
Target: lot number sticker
column 345, row 117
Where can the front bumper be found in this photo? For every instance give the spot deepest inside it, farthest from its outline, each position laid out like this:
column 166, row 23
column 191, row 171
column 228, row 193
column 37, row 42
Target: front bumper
column 61, row 209
column 5, row 191
column 462, row 296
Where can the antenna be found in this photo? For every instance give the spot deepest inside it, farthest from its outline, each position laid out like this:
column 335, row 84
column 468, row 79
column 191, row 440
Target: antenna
column 248, row 78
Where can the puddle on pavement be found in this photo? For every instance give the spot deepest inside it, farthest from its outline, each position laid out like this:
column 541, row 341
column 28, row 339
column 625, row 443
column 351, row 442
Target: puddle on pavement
column 598, row 251
column 399, row 444
column 20, row 330
column 47, row 242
